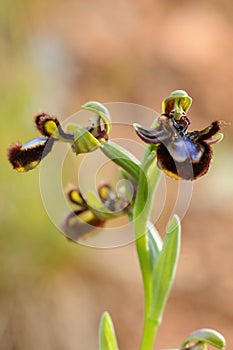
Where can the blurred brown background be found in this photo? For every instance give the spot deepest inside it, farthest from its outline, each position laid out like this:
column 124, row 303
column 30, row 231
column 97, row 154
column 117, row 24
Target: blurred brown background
column 57, row 55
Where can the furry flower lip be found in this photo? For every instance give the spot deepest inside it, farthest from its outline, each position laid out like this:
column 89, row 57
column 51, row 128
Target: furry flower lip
column 27, row 156
column 181, row 154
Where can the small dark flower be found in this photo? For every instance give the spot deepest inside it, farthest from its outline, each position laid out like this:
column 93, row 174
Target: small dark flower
column 83, row 140
column 92, row 214
column 180, row 153
column 82, row 221
column 110, row 199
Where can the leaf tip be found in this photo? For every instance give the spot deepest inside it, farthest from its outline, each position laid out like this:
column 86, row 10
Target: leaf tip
column 174, row 224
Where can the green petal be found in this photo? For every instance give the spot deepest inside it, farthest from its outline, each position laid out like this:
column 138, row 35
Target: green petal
column 206, row 335
column 84, row 141
column 100, row 110
column 178, row 100
column 97, row 207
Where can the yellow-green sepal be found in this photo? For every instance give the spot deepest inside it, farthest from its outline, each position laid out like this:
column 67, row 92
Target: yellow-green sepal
column 101, row 111
column 84, row 141
column 97, row 207
column 178, row 101
column 205, row 336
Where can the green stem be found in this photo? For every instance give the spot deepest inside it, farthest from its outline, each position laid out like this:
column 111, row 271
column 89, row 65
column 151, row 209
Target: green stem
column 149, row 334
column 147, row 176
column 140, row 218
column 147, row 184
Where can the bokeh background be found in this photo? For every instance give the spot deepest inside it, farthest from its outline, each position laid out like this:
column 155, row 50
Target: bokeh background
column 56, row 55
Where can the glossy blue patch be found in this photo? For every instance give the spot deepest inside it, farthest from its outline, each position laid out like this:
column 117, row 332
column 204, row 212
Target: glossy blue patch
column 41, row 141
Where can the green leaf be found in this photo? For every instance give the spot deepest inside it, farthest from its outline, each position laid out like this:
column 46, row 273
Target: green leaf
column 122, row 158
column 206, row 335
column 107, row 337
column 155, row 243
column 100, row 110
column 148, row 180
column 164, row 270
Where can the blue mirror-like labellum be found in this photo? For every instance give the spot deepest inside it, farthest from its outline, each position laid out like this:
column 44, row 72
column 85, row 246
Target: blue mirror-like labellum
column 40, row 141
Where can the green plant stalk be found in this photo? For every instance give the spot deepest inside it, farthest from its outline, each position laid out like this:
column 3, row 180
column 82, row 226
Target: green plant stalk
column 147, row 176
column 148, row 181
column 149, row 335
column 148, row 242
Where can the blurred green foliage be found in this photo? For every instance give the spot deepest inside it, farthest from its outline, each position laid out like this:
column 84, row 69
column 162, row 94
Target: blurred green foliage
column 30, row 244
